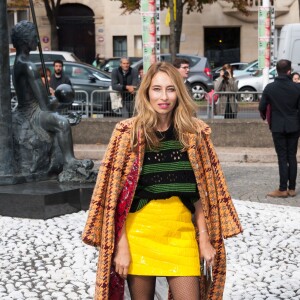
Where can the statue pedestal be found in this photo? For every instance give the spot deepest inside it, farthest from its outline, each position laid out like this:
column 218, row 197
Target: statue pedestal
column 44, row 199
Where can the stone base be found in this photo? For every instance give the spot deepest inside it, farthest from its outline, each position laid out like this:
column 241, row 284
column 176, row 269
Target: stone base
column 44, row 200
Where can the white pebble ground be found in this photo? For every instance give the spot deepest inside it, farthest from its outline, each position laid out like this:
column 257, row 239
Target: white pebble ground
column 47, row 260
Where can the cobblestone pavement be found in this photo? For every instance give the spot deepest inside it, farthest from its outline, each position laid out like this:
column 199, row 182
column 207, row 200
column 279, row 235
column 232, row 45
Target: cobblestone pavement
column 46, row 260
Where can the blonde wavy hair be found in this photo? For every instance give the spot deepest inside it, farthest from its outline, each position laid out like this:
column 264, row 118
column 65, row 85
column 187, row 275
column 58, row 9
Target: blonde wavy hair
column 146, row 119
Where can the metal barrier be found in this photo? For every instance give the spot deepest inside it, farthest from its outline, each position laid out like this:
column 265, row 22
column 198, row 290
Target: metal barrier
column 80, row 104
column 111, row 103
column 245, row 101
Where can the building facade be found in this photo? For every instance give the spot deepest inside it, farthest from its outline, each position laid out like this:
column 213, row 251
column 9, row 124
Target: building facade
column 221, row 33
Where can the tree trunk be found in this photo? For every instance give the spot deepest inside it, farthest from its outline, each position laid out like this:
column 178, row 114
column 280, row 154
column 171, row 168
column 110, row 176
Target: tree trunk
column 54, row 37
column 172, row 25
column 52, row 12
column 178, row 29
column 6, row 145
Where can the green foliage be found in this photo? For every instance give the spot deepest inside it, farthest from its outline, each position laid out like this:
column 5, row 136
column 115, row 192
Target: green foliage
column 17, row 3
column 191, row 5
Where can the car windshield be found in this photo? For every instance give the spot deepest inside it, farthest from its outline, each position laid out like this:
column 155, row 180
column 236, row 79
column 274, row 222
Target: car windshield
column 243, row 66
column 101, row 76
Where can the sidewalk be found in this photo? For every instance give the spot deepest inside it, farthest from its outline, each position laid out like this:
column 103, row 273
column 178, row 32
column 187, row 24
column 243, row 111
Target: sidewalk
column 226, row 154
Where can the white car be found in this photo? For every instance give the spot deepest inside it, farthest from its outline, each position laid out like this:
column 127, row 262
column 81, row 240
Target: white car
column 48, row 56
column 253, row 83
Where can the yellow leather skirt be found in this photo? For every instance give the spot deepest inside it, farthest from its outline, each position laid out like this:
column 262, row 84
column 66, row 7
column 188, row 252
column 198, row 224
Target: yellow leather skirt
column 162, row 240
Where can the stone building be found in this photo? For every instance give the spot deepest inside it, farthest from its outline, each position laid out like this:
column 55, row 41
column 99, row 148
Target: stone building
column 86, row 27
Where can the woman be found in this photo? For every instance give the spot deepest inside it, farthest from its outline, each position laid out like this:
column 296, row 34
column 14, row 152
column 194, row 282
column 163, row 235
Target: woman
column 295, row 77
column 163, row 153
column 227, row 104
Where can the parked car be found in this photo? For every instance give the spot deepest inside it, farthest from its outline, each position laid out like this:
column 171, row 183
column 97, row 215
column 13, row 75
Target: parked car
column 200, row 75
column 251, row 68
column 48, row 56
column 235, row 66
column 114, row 62
column 87, row 78
column 254, row 83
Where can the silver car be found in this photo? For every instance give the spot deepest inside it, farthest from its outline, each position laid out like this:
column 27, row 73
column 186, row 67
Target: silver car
column 253, row 83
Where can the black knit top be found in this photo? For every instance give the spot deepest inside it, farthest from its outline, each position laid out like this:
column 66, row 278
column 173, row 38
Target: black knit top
column 166, row 172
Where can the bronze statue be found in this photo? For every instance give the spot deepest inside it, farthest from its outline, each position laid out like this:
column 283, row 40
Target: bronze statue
column 37, row 110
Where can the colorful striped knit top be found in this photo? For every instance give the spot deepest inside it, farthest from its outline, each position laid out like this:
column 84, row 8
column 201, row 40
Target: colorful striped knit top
column 166, row 172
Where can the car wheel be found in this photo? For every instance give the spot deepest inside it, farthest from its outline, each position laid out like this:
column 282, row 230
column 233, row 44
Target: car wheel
column 198, row 90
column 247, row 97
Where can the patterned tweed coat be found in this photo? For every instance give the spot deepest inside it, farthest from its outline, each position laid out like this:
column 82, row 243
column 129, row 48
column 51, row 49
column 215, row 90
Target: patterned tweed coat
column 220, row 214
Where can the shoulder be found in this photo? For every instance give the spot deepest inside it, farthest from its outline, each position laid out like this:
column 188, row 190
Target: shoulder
column 114, row 71
column 201, row 127
column 133, row 70
column 125, row 125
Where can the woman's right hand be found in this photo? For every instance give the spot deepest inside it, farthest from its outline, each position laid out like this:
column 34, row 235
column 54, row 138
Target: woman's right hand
column 122, row 257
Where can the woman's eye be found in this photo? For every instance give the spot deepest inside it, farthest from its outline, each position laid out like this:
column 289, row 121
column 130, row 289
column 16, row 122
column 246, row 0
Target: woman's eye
column 156, row 89
column 171, row 90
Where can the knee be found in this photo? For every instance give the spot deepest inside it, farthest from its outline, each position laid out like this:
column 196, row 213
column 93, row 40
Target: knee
column 63, row 125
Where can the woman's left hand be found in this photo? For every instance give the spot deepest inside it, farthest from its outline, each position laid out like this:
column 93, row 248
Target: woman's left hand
column 207, row 251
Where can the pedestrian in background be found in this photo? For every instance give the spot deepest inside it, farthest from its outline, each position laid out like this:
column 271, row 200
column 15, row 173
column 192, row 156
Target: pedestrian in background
column 125, row 79
column 160, row 168
column 183, row 66
column 283, row 98
column 97, row 62
column 58, row 77
column 227, row 104
column 295, row 77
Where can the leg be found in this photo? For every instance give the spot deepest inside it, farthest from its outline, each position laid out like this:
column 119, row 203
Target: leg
column 59, row 125
column 280, row 143
column 185, row 287
column 141, row 287
column 125, row 111
column 292, row 147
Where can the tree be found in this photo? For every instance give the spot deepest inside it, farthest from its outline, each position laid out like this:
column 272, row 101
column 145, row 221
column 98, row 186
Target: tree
column 52, row 7
column 176, row 23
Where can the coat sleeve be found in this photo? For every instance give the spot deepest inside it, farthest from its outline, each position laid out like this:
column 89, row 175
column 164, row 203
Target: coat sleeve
column 229, row 221
column 218, row 84
column 93, row 228
column 263, row 103
column 115, row 81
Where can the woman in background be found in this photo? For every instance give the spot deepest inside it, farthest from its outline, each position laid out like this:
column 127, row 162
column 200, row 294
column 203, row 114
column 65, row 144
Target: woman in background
column 227, row 104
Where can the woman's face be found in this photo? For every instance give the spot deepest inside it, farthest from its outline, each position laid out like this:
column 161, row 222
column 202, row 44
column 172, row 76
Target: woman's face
column 296, row 78
column 162, row 95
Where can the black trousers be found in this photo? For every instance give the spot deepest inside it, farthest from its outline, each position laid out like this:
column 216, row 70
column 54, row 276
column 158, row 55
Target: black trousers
column 286, row 145
column 128, row 105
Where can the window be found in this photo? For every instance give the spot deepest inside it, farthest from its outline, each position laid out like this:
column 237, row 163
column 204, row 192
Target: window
column 119, row 46
column 14, row 16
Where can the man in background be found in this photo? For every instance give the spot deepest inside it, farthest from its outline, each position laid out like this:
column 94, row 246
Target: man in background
column 183, row 66
column 124, row 79
column 58, row 77
column 281, row 99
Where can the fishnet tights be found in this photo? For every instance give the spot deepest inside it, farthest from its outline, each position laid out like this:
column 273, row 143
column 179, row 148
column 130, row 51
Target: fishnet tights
column 182, row 288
